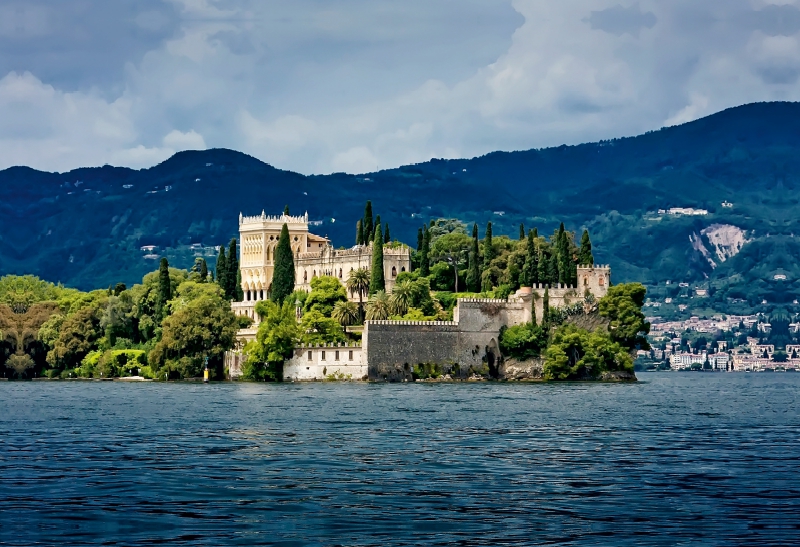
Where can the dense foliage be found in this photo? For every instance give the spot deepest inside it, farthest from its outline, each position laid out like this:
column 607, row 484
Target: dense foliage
column 166, row 325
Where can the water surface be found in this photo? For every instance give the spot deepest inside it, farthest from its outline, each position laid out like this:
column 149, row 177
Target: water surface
column 677, row 459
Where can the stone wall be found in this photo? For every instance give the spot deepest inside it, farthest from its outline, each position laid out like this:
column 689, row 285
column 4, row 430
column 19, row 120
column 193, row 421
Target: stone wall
column 315, row 363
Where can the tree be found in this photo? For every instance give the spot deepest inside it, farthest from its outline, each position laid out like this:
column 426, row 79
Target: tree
column 420, row 239
column 368, row 223
column 359, row 233
column 530, row 270
column 326, row 292
column 424, row 258
column 402, row 297
column 232, row 289
column 346, row 313
column 377, row 281
column 473, row 270
column 488, row 248
column 585, row 257
column 283, row 272
column 317, row 329
column 201, row 325
column 222, row 269
column 164, row 288
column 358, row 283
column 575, row 353
column 546, row 307
column 203, row 271
column 275, row 341
column 378, row 307
column 77, row 336
column 622, row 305
column 286, row 210
column 521, row 231
column 386, row 237
column 239, row 290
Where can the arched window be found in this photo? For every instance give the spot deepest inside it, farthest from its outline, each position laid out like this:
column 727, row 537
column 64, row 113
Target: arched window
column 340, row 273
column 602, row 281
column 394, row 271
column 305, row 276
column 314, row 274
column 403, row 269
column 585, row 282
column 248, row 296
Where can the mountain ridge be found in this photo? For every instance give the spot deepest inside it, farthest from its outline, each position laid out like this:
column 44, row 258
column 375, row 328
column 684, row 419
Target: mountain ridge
column 85, row 227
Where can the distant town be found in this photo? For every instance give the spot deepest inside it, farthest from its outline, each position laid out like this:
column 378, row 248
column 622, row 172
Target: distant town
column 728, row 343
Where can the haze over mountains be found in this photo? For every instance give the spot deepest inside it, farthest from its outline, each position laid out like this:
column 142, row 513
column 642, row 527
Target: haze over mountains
column 86, row 228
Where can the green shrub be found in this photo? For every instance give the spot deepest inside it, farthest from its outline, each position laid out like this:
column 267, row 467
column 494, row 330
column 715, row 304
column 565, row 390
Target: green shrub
column 523, row 342
column 423, row 371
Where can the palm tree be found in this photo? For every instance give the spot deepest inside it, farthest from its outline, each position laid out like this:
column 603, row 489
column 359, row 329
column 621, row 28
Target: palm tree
column 346, row 313
column 358, row 282
column 378, row 307
column 402, row 297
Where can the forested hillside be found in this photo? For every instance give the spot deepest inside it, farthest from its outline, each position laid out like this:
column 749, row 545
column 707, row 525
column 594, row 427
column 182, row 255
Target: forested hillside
column 86, row 228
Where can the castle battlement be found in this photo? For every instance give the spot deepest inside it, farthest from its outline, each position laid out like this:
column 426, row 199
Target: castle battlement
column 412, row 323
column 482, row 301
column 595, row 267
column 263, row 218
column 329, row 345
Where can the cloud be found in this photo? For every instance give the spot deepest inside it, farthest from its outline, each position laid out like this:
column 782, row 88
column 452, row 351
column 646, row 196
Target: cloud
column 357, row 85
column 619, row 20
column 190, row 140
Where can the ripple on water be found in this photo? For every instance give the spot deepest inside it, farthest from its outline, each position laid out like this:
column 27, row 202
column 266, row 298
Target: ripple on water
column 676, row 459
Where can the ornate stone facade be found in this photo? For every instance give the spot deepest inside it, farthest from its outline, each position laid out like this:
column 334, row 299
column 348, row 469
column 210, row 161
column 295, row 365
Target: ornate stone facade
column 313, row 256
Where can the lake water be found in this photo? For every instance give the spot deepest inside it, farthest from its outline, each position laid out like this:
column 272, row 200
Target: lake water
column 677, row 459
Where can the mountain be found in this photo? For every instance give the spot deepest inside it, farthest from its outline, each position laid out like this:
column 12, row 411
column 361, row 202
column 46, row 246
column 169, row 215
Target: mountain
column 86, row 228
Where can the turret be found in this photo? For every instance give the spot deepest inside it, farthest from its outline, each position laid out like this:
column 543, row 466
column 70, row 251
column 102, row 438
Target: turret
column 594, row 279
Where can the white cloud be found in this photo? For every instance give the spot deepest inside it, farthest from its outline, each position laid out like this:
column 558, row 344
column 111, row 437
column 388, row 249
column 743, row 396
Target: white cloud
column 364, row 84
column 191, row 140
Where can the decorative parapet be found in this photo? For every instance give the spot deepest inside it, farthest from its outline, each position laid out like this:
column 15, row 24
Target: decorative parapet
column 268, row 218
column 357, row 251
column 595, row 267
column 412, row 323
column 482, row 301
column 557, row 286
column 329, row 345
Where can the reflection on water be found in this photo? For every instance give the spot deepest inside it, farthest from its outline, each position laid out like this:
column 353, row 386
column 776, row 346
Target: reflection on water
column 676, row 459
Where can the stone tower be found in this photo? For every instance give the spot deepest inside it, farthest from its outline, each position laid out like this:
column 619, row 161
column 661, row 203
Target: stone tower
column 594, row 279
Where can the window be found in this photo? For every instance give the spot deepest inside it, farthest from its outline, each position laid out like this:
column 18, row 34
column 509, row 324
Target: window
column 403, row 269
column 351, row 355
column 323, row 355
column 602, row 281
column 585, row 282
column 309, row 356
column 305, row 276
column 336, row 356
column 394, row 271
column 340, row 273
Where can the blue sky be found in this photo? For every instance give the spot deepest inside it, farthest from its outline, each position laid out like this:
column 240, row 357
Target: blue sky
column 357, row 85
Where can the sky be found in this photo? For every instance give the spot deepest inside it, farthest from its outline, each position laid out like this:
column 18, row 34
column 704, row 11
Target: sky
column 316, row 86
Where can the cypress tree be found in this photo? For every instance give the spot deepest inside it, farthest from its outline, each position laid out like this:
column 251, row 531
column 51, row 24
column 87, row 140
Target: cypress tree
column 164, row 287
column 368, row 222
column 239, row 296
column 473, row 269
column 386, row 237
column 420, row 237
column 359, row 233
column 521, row 231
column 585, row 257
column 283, row 272
column 546, row 307
column 377, row 281
column 488, row 250
column 233, row 270
column 286, row 210
column 542, row 266
column 424, row 260
column 528, row 275
column 377, row 221
column 552, row 269
column 222, row 270
column 203, row 270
